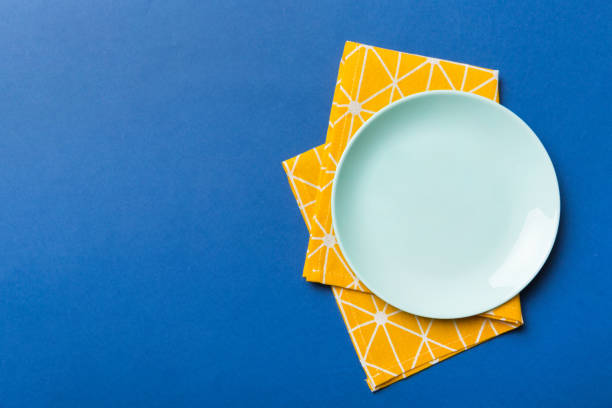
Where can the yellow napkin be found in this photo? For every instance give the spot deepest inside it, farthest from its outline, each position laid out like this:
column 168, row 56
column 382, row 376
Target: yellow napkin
column 390, row 344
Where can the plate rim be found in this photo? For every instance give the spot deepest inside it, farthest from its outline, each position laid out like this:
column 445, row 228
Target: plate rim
column 481, row 99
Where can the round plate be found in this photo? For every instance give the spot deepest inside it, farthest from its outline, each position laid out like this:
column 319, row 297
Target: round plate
column 445, row 204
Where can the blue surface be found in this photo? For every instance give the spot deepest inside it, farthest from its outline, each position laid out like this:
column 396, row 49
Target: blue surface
column 151, row 250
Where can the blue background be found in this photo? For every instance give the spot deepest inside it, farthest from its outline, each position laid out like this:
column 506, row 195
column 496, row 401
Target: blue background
column 150, row 247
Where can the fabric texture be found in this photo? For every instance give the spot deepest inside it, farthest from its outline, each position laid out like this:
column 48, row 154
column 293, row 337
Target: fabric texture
column 390, row 344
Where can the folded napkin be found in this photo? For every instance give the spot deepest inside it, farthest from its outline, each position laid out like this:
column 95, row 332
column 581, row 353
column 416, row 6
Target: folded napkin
column 390, row 344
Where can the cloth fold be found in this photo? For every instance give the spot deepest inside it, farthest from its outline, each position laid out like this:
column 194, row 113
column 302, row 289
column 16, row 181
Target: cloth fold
column 390, row 344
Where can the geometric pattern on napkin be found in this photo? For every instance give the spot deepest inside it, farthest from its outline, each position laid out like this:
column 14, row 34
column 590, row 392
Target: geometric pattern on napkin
column 390, row 344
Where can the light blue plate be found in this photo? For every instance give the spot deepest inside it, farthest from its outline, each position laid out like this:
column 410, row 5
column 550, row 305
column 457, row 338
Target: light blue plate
column 445, row 204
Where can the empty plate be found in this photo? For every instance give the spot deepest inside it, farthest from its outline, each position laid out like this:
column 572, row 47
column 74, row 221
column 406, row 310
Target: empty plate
column 445, row 204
